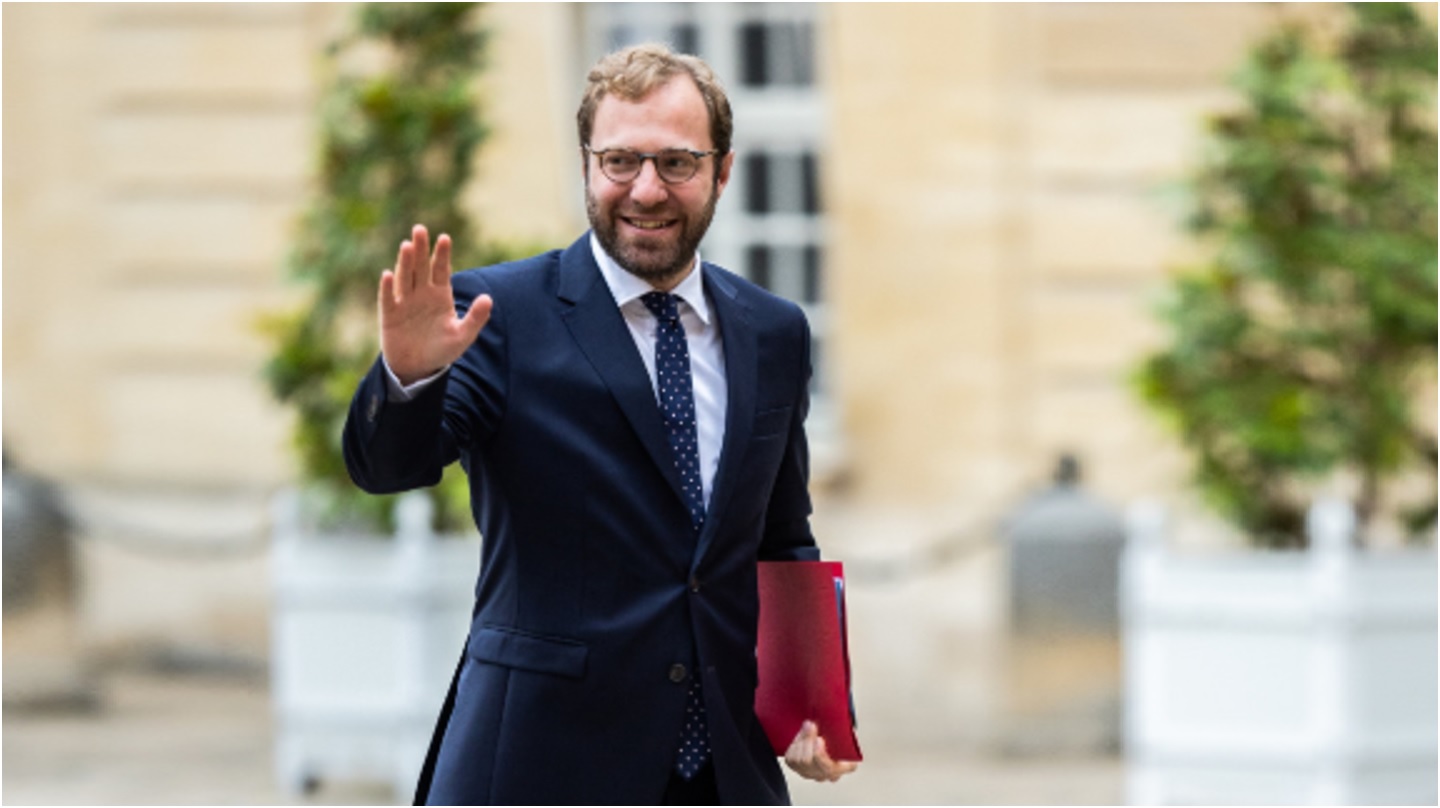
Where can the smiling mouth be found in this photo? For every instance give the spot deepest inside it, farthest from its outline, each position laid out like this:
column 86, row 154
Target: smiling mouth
column 649, row 224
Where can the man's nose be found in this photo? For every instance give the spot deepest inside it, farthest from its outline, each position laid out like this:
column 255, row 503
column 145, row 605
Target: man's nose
column 647, row 188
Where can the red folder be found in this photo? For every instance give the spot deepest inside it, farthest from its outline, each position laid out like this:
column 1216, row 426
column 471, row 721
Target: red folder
column 803, row 657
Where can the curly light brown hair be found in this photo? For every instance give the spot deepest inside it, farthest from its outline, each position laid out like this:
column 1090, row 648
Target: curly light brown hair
column 633, row 72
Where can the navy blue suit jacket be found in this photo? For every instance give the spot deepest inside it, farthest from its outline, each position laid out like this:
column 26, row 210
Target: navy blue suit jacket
column 595, row 603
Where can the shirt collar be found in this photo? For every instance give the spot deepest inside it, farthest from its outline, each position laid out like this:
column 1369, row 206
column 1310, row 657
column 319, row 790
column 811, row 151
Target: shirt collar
column 625, row 287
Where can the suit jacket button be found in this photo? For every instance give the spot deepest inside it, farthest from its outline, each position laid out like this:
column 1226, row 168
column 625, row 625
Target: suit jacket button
column 694, row 584
column 677, row 673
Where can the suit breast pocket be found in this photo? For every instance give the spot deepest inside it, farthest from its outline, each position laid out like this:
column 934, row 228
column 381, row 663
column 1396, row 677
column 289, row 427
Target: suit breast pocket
column 772, row 423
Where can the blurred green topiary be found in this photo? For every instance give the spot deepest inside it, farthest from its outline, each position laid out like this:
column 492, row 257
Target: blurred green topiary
column 397, row 141
column 1300, row 348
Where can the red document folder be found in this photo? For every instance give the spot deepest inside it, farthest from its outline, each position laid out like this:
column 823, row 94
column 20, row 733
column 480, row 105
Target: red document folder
column 803, row 657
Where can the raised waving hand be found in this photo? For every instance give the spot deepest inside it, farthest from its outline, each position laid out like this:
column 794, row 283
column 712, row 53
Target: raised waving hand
column 420, row 333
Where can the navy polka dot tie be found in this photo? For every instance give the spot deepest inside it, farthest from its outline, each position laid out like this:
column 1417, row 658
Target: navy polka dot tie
column 676, row 393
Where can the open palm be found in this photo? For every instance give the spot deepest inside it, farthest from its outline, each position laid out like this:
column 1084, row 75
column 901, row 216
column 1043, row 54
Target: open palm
column 420, row 333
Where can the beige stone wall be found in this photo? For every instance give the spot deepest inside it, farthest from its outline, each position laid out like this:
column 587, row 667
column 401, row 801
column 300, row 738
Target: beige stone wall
column 995, row 177
column 154, row 158
column 997, row 185
column 527, row 188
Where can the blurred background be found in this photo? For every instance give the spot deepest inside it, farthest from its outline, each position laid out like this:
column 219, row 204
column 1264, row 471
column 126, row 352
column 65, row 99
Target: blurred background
column 989, row 192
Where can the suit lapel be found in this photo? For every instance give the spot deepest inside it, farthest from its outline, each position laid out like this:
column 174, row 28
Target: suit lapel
column 599, row 329
column 737, row 333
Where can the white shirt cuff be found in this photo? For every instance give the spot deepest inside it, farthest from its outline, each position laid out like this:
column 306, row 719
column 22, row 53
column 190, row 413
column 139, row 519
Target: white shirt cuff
column 397, row 392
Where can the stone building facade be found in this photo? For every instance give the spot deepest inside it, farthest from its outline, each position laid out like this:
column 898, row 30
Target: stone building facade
column 992, row 211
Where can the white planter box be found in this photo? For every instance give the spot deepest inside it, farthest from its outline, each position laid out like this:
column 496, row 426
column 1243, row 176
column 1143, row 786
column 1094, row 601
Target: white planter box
column 366, row 632
column 1279, row 678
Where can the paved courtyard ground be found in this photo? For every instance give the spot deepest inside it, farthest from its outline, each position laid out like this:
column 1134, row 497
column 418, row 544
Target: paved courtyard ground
column 930, row 681
column 205, row 739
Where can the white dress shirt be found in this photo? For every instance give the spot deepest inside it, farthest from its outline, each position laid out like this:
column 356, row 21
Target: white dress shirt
column 702, row 337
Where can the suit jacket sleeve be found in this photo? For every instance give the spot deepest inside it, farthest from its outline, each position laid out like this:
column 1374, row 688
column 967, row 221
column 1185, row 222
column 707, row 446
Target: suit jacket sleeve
column 787, row 519
column 392, row 446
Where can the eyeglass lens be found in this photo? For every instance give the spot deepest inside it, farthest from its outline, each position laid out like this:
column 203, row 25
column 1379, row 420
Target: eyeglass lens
column 673, row 165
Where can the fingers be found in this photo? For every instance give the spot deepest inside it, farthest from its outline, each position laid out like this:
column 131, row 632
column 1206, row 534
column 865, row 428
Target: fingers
column 802, row 747
column 421, row 236
column 824, row 766
column 387, row 292
column 419, row 256
column 416, row 270
column 440, row 262
column 822, row 757
column 477, row 316
column 414, row 265
column 808, row 757
column 795, row 756
column 833, row 769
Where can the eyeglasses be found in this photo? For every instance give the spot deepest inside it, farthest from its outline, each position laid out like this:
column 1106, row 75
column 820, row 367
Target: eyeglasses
column 673, row 165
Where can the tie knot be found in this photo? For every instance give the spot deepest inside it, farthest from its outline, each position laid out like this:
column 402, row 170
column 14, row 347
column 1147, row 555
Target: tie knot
column 662, row 305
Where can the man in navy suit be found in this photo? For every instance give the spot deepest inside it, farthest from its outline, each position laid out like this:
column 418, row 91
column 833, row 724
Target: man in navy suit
column 632, row 423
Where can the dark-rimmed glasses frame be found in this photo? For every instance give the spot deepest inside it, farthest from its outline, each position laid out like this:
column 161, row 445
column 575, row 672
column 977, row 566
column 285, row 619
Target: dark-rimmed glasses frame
column 674, row 166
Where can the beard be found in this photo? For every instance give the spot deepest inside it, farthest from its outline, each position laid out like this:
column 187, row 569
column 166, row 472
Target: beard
column 653, row 261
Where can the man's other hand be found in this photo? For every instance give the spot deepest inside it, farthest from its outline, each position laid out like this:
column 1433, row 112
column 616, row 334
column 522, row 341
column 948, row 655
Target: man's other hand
column 807, row 757
column 419, row 332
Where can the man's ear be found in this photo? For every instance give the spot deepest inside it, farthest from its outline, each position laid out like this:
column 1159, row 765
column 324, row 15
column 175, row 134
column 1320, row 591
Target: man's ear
column 722, row 171
column 584, row 166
